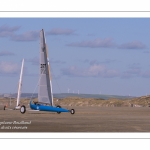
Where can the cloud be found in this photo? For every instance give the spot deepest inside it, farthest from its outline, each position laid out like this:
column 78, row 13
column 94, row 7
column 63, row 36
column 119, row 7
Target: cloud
column 6, row 53
column 27, row 36
column 58, row 31
column 134, row 70
column 57, row 61
column 107, row 43
column 6, row 31
column 95, row 61
column 131, row 73
column 34, row 61
column 97, row 43
column 91, row 34
column 95, row 70
column 98, row 70
column 133, row 45
column 9, row 68
column 146, row 74
column 106, row 61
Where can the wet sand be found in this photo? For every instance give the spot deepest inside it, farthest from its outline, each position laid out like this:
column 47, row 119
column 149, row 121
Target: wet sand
column 85, row 119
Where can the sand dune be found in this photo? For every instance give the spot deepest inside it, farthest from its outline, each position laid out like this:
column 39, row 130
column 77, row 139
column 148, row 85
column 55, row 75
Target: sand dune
column 92, row 115
column 143, row 101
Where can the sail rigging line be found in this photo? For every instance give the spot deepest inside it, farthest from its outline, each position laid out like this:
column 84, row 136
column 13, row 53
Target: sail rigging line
column 57, row 85
column 52, row 74
column 37, row 84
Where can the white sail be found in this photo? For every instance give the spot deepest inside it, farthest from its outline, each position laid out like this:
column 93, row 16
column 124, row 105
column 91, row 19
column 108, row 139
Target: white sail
column 45, row 94
column 20, row 84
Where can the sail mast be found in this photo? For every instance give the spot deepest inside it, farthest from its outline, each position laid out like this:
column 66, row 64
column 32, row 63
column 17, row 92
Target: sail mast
column 50, row 77
column 45, row 94
column 20, row 84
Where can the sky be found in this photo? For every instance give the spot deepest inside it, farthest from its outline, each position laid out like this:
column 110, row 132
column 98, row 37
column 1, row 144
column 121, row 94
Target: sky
column 87, row 55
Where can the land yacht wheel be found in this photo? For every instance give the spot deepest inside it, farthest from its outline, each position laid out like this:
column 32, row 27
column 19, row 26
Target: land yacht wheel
column 58, row 107
column 23, row 109
column 4, row 107
column 72, row 111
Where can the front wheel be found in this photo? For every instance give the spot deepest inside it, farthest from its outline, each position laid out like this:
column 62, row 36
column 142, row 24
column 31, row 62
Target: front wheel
column 23, row 109
column 72, row 111
column 58, row 112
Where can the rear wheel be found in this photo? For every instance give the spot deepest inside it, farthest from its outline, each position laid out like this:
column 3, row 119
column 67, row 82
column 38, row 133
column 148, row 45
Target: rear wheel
column 4, row 107
column 72, row 111
column 58, row 107
column 23, row 109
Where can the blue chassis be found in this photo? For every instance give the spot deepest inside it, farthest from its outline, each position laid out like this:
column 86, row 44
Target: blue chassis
column 44, row 107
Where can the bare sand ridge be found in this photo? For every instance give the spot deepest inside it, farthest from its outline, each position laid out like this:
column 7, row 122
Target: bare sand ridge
column 92, row 115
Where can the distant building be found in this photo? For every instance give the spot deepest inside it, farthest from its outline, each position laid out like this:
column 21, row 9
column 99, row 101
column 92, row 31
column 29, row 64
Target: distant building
column 6, row 95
